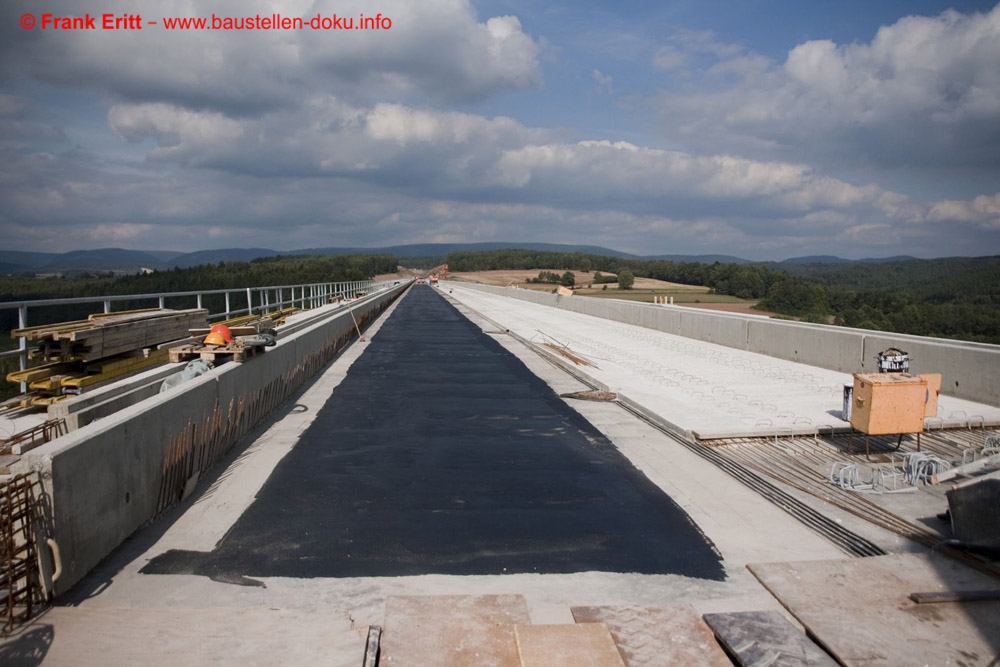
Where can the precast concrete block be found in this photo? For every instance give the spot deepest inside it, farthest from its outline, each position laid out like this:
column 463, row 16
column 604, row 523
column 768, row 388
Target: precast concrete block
column 105, row 477
column 113, row 405
column 76, row 404
column 714, row 328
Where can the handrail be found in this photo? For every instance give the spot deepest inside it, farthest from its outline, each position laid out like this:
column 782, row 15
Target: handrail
column 248, row 301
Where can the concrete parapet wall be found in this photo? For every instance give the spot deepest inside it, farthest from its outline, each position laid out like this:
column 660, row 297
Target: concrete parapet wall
column 105, row 480
column 970, row 370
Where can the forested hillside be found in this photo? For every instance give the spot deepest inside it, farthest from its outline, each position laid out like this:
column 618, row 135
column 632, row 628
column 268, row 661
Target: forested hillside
column 954, row 297
column 285, row 270
column 949, row 298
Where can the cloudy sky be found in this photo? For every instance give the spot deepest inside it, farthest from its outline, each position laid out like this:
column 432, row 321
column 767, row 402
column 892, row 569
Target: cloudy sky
column 765, row 129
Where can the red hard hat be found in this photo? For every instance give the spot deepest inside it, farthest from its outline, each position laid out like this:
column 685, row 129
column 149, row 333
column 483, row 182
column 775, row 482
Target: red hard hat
column 224, row 330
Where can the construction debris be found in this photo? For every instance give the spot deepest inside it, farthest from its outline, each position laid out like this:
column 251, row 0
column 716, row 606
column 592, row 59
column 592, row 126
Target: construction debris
column 592, row 395
column 192, row 370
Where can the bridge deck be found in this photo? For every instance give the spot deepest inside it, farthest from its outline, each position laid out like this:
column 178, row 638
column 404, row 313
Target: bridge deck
column 423, row 463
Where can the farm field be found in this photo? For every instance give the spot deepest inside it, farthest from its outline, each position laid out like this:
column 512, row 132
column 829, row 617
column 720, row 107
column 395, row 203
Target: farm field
column 644, row 289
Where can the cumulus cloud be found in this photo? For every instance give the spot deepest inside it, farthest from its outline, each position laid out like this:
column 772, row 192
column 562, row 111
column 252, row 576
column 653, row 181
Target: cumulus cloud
column 387, row 143
column 460, row 154
column 304, row 139
column 925, row 89
column 436, row 49
column 983, row 211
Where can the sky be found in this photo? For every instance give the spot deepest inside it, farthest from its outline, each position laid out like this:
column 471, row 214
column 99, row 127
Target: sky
column 765, row 129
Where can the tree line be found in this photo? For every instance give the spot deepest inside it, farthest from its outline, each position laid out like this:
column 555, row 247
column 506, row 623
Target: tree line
column 263, row 272
column 956, row 297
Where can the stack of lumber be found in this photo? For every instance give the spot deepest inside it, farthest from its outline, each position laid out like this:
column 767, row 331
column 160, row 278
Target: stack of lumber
column 85, row 354
column 106, row 335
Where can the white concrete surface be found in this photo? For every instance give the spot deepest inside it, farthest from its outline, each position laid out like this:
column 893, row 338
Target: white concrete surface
column 969, row 368
column 709, row 390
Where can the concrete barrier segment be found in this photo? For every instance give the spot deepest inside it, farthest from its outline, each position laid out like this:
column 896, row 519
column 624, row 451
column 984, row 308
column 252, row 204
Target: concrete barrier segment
column 108, row 478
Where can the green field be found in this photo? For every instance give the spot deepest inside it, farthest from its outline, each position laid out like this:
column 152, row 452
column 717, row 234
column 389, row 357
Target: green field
column 647, row 295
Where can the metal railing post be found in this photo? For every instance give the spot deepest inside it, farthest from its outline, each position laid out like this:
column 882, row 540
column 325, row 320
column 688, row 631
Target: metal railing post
column 22, row 323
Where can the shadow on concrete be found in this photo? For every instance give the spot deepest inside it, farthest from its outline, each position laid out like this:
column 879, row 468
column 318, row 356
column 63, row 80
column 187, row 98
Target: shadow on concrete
column 28, row 648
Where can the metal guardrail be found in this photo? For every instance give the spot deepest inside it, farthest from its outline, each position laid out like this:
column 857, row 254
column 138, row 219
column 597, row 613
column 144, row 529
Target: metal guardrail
column 238, row 301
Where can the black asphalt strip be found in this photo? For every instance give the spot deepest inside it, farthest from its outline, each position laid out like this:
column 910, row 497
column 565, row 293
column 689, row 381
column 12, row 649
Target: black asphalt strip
column 441, row 453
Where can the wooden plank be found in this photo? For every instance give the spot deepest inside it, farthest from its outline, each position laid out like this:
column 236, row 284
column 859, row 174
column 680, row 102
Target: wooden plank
column 654, row 636
column 236, row 331
column 100, row 319
column 766, row 638
column 215, row 353
column 184, row 353
column 45, row 330
column 967, row 469
column 113, row 334
column 139, row 335
column 859, row 609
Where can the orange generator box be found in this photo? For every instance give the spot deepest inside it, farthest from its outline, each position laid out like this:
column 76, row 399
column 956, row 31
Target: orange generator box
column 889, row 403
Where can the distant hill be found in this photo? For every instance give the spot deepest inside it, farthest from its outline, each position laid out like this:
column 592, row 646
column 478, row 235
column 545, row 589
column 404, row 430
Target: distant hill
column 131, row 261
column 698, row 259
column 29, row 260
column 164, row 255
column 816, row 259
column 442, row 249
column 187, row 260
column 831, row 259
column 7, row 269
column 105, row 259
column 884, row 260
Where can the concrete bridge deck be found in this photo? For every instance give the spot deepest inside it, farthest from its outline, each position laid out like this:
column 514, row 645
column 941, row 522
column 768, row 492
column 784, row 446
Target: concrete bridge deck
column 434, row 459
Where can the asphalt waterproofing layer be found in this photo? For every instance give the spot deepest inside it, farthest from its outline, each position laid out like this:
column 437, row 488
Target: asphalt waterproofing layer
column 441, row 453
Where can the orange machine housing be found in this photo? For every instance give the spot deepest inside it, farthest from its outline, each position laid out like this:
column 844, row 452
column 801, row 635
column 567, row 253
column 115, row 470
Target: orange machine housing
column 933, row 391
column 889, row 403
